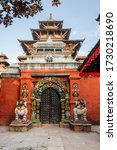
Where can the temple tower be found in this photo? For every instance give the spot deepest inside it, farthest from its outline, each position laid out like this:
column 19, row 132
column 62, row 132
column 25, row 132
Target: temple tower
column 47, row 76
column 49, row 71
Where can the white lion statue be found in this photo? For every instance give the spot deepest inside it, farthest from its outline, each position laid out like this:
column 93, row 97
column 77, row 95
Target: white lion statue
column 80, row 110
column 21, row 110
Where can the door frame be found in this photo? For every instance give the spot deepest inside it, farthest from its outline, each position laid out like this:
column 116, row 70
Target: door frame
column 59, row 86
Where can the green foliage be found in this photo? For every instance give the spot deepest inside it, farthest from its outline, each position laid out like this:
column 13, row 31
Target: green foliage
column 10, row 9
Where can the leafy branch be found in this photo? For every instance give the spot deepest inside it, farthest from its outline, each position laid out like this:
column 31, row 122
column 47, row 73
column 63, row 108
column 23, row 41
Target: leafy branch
column 10, row 9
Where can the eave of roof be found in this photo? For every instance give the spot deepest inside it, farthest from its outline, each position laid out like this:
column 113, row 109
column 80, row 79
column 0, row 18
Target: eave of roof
column 22, row 57
column 27, row 41
column 80, row 58
column 73, row 41
column 5, row 62
column 3, row 55
column 88, row 60
column 59, row 29
column 50, row 21
column 39, row 30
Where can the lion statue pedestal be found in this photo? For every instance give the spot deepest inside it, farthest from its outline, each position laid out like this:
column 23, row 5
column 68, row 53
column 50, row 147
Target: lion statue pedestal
column 80, row 122
column 21, row 123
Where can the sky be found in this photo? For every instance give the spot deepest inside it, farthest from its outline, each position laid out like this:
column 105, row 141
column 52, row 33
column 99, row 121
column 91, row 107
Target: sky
column 79, row 15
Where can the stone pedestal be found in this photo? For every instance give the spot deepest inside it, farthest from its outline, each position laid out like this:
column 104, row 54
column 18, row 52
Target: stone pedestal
column 20, row 125
column 80, row 126
column 63, row 125
column 37, row 125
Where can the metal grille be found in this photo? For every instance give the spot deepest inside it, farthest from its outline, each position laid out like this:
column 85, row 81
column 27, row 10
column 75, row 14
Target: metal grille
column 50, row 106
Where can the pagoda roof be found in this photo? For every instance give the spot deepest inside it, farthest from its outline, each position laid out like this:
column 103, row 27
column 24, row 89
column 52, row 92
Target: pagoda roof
column 4, row 62
column 76, row 45
column 59, row 38
column 24, row 46
column 3, row 55
column 53, row 29
column 51, row 21
column 92, row 61
column 57, row 43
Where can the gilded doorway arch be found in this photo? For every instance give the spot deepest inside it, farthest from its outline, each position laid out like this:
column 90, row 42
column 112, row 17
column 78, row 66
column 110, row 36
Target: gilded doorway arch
column 40, row 87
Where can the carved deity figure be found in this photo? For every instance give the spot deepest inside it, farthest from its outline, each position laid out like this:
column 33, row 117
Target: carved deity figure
column 21, row 110
column 24, row 93
column 80, row 110
column 33, row 107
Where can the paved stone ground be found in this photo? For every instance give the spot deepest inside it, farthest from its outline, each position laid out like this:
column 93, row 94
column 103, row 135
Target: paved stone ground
column 49, row 138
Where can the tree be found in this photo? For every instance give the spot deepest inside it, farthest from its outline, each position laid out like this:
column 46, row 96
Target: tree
column 10, row 9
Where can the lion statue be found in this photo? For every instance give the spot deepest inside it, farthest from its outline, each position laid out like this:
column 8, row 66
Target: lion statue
column 80, row 110
column 21, row 110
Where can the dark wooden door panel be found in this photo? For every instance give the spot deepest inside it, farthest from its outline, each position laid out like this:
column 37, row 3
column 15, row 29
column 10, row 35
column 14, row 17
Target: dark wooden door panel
column 50, row 106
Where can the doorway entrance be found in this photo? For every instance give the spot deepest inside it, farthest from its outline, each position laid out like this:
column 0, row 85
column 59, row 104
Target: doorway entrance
column 50, row 106
column 50, row 101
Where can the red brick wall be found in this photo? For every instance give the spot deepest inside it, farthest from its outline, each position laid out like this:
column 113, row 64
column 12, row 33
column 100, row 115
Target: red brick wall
column 9, row 94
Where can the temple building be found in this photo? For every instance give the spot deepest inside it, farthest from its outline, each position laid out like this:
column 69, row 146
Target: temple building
column 3, row 62
column 50, row 77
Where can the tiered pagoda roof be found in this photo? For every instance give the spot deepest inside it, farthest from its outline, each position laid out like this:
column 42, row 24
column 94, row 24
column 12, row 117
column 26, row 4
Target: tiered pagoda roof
column 52, row 29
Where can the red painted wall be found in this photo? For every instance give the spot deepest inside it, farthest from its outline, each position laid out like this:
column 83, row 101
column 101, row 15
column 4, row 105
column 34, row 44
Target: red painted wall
column 26, row 78
column 90, row 91
column 11, row 90
column 9, row 94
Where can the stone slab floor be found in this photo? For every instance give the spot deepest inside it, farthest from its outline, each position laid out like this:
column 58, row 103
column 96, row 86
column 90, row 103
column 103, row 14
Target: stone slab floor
column 49, row 138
